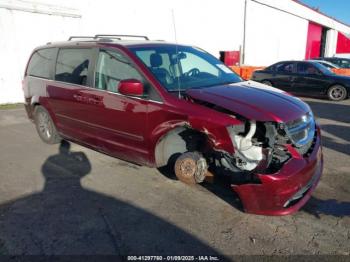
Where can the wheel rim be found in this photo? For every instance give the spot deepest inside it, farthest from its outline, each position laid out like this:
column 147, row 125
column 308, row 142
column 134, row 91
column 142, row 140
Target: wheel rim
column 44, row 125
column 337, row 93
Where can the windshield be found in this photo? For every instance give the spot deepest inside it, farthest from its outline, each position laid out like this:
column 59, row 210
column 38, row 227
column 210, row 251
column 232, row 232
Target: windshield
column 184, row 67
column 325, row 70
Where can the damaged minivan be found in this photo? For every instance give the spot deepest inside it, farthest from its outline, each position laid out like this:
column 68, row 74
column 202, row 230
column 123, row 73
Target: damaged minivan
column 161, row 104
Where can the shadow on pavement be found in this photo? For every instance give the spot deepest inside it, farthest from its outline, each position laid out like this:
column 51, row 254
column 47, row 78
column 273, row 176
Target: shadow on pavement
column 341, row 132
column 330, row 207
column 333, row 111
column 221, row 187
column 66, row 218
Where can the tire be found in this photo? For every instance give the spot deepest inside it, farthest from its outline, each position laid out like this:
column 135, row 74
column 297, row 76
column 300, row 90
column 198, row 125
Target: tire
column 191, row 168
column 45, row 126
column 266, row 82
column 337, row 93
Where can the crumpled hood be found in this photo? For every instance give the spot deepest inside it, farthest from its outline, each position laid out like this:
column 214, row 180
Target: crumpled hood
column 253, row 100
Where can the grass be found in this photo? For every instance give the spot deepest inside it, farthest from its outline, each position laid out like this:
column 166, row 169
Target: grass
column 10, row 106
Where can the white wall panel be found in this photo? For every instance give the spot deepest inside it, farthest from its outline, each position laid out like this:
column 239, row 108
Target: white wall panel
column 306, row 13
column 20, row 33
column 331, row 42
column 214, row 26
column 272, row 35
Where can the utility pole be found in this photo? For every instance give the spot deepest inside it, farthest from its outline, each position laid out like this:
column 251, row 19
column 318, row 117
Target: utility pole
column 244, row 32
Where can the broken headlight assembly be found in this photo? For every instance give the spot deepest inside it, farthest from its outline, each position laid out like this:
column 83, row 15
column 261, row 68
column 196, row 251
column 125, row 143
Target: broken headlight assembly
column 248, row 152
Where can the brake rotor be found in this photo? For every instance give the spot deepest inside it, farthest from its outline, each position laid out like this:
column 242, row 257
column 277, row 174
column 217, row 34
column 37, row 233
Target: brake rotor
column 191, row 168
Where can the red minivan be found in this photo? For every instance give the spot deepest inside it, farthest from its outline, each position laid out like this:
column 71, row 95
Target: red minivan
column 163, row 104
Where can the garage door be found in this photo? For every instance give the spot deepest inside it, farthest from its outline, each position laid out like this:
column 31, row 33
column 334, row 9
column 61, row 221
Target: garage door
column 313, row 44
column 343, row 44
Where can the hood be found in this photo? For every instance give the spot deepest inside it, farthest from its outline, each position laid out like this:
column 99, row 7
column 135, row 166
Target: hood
column 341, row 78
column 253, row 100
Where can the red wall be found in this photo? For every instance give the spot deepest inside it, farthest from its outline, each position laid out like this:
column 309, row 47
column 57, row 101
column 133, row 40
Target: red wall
column 343, row 44
column 313, row 44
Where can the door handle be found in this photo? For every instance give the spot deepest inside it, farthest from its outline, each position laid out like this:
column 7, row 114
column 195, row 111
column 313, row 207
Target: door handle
column 77, row 97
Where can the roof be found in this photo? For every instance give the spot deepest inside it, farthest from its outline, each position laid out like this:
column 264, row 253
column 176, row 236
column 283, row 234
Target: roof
column 108, row 40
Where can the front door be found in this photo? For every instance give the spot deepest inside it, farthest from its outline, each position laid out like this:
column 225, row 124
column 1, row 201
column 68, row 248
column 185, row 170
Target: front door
column 120, row 122
column 309, row 80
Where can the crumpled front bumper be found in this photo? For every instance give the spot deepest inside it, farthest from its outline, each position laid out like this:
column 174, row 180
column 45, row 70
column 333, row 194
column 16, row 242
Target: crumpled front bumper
column 286, row 191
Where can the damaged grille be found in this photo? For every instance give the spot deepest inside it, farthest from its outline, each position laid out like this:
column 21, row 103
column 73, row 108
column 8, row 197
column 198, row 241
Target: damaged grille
column 302, row 132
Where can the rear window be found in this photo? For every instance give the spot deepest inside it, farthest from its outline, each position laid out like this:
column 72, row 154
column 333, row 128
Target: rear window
column 41, row 62
column 72, row 65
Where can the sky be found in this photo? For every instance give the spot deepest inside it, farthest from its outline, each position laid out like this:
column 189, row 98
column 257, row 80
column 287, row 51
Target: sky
column 339, row 9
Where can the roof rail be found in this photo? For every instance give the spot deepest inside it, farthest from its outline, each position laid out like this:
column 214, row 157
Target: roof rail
column 106, row 37
column 80, row 37
column 119, row 36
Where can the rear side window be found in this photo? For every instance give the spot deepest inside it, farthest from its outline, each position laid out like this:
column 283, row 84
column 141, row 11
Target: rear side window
column 72, row 65
column 41, row 63
column 270, row 68
column 285, row 67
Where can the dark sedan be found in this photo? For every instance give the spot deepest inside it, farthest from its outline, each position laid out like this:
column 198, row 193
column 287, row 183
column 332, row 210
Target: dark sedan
column 306, row 78
column 339, row 61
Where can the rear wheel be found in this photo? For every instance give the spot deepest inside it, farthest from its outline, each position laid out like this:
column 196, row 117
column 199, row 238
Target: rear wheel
column 337, row 93
column 45, row 126
column 266, row 82
column 191, row 168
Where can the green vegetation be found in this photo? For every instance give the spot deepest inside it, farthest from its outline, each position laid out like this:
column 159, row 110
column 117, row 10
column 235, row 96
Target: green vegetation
column 11, row 106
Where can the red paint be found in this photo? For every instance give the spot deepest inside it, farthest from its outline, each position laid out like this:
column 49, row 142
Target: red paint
column 269, row 197
column 313, row 44
column 131, row 87
column 254, row 102
column 130, row 127
column 343, row 44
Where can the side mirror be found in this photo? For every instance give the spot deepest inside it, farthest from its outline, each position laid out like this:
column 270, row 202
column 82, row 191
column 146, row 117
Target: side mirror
column 130, row 87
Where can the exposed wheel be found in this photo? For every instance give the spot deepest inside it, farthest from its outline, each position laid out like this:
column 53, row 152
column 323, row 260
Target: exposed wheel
column 337, row 93
column 191, row 168
column 266, row 82
column 45, row 126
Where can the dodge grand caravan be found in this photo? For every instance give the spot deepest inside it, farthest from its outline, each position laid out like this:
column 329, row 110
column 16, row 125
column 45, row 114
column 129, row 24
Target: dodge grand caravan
column 159, row 104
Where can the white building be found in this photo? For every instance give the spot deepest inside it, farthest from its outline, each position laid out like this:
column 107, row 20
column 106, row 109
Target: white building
column 264, row 31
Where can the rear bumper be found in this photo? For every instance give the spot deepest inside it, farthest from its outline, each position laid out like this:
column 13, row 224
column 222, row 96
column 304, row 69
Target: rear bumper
column 286, row 191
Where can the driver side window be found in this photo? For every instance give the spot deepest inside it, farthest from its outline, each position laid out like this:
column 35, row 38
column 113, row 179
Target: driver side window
column 307, row 69
column 200, row 64
column 112, row 67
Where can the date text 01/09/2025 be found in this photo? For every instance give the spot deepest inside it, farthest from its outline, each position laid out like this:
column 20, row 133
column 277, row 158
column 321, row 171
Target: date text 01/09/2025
column 173, row 258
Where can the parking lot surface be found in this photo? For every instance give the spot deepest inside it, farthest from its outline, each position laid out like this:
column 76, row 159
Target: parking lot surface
column 77, row 201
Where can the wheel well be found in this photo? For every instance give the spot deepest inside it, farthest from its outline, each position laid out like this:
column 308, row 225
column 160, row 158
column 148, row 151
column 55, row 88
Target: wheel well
column 178, row 141
column 335, row 84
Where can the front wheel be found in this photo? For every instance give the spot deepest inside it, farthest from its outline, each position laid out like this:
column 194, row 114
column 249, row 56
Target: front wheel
column 45, row 126
column 191, row 168
column 337, row 93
